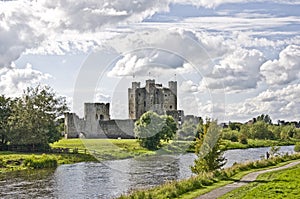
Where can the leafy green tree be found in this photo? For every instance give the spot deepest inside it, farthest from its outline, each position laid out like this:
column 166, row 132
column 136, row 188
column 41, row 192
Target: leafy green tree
column 287, row 132
column 33, row 119
column 260, row 130
column 210, row 157
column 244, row 133
column 151, row 129
column 265, row 118
column 234, row 126
column 187, row 131
column 200, row 129
column 5, row 111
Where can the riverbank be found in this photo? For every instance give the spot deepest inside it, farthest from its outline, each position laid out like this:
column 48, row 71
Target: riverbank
column 200, row 184
column 14, row 161
column 274, row 183
column 226, row 144
column 110, row 149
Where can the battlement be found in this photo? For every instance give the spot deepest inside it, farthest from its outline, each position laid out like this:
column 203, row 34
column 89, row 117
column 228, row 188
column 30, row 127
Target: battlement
column 153, row 97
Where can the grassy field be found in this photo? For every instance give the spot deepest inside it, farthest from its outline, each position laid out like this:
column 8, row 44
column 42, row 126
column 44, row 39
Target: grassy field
column 279, row 184
column 107, row 149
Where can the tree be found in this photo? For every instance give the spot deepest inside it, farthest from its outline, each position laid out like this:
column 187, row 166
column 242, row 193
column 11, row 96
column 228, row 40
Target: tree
column 151, row 129
column 210, row 157
column 260, row 130
column 33, row 118
column 187, row 131
column 5, row 111
column 265, row 118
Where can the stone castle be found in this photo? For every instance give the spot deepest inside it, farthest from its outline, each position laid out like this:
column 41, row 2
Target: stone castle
column 98, row 124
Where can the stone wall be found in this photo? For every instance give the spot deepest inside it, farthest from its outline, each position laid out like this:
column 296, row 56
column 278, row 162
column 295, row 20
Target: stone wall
column 76, row 127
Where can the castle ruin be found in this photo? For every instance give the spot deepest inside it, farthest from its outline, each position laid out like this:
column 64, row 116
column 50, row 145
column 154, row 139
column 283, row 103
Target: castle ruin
column 98, row 124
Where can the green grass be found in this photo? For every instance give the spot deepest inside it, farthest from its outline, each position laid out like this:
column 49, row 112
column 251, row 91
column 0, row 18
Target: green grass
column 227, row 144
column 107, row 149
column 14, row 161
column 203, row 183
column 277, row 184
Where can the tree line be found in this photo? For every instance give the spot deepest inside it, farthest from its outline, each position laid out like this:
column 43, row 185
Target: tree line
column 260, row 128
column 32, row 121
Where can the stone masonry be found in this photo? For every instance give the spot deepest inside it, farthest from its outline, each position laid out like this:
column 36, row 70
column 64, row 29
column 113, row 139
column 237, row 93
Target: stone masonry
column 98, row 124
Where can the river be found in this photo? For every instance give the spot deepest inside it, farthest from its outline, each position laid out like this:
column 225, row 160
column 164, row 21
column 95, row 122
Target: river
column 110, row 179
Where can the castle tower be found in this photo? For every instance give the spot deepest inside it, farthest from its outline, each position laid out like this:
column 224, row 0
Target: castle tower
column 173, row 96
column 94, row 112
column 132, row 99
column 152, row 97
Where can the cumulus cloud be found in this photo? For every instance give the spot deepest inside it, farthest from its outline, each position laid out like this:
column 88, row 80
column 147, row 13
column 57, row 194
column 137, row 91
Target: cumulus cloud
column 25, row 24
column 215, row 3
column 285, row 69
column 188, row 86
column 186, row 51
column 278, row 103
column 14, row 81
column 145, row 61
column 236, row 72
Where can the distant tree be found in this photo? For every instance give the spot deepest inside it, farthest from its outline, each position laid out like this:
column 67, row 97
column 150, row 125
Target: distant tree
column 151, row 129
column 260, row 130
column 5, row 111
column 199, row 129
column 210, row 157
column 287, row 131
column 187, row 130
column 33, row 119
column 234, row 126
column 265, row 118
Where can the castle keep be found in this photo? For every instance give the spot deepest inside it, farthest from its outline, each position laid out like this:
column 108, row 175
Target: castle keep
column 98, row 124
column 152, row 97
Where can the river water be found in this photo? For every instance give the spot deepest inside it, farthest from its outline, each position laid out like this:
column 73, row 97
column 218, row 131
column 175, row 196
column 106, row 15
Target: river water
column 110, row 179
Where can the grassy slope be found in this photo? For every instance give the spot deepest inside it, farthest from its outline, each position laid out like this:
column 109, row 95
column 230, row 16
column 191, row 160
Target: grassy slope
column 279, row 184
column 195, row 186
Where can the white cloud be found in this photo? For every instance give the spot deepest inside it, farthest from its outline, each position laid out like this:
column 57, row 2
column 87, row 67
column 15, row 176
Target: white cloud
column 285, row 69
column 14, row 81
column 188, row 86
column 26, row 24
column 215, row 3
column 278, row 103
column 145, row 61
column 236, row 72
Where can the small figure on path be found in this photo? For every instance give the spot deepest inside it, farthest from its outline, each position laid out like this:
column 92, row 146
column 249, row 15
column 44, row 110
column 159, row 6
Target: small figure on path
column 268, row 155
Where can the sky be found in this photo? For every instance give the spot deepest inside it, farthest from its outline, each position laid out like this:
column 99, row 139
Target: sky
column 233, row 59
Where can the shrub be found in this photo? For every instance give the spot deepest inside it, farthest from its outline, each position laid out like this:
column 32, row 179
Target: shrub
column 297, row 147
column 243, row 139
column 2, row 163
column 231, row 135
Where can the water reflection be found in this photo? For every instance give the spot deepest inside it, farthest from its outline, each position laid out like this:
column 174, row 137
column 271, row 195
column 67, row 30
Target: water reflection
column 110, row 178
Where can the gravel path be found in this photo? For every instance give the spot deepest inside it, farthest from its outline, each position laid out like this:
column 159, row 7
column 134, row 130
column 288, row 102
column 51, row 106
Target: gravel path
column 251, row 177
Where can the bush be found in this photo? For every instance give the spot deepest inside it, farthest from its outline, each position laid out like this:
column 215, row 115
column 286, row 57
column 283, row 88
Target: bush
column 243, row 139
column 297, row 147
column 231, row 135
column 40, row 163
column 2, row 163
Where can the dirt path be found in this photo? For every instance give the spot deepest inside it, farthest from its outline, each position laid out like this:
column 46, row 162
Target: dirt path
column 251, row 177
